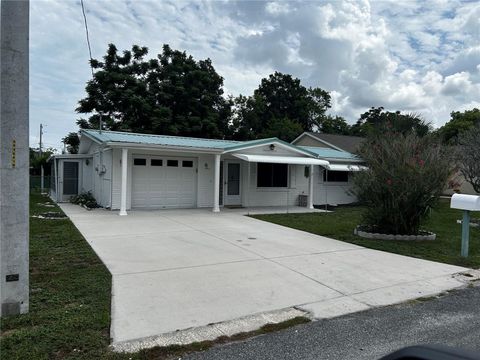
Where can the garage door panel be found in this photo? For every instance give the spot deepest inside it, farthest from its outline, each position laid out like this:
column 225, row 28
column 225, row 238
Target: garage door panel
column 163, row 186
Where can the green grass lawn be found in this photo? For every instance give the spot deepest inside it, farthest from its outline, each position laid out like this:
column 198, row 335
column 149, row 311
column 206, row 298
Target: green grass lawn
column 340, row 224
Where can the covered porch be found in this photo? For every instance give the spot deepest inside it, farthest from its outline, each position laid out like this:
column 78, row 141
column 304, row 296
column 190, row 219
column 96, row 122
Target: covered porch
column 262, row 181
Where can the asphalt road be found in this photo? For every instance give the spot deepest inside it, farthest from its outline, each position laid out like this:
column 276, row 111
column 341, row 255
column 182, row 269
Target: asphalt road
column 452, row 319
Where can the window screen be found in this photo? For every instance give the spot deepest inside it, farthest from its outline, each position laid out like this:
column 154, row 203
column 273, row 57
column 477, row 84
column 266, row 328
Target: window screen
column 272, row 175
column 173, row 163
column 156, row 162
column 335, row 176
column 140, row 162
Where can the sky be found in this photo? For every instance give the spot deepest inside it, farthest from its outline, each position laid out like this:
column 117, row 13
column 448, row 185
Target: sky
column 413, row 56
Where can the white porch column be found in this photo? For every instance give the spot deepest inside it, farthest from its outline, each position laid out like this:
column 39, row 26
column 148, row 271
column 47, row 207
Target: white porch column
column 123, row 194
column 216, row 184
column 310, row 188
column 247, row 191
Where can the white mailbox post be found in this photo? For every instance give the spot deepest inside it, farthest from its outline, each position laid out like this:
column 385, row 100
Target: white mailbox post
column 466, row 203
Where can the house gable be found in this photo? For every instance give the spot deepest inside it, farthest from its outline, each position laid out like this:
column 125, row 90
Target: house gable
column 272, row 147
column 306, row 139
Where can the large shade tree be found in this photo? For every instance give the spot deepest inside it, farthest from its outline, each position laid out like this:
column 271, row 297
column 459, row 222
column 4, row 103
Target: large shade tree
column 460, row 122
column 377, row 121
column 281, row 106
column 334, row 125
column 171, row 94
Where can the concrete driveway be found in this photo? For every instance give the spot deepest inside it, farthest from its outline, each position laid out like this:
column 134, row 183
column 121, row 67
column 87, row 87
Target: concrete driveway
column 178, row 269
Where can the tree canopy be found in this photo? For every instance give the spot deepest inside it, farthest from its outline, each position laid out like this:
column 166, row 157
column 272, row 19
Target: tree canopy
column 377, row 120
column 72, row 141
column 335, row 125
column 459, row 123
column 172, row 94
column 37, row 160
column 281, row 106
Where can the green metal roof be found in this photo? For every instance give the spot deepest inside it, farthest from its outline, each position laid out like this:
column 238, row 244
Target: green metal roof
column 330, row 153
column 105, row 136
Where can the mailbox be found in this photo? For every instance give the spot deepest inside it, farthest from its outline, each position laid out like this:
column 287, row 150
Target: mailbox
column 465, row 202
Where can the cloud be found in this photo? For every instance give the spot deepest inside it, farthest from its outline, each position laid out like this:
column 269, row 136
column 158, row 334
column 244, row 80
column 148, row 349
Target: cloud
column 412, row 56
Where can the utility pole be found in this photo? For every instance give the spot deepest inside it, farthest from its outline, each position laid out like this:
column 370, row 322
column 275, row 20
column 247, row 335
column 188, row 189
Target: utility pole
column 14, row 157
column 41, row 165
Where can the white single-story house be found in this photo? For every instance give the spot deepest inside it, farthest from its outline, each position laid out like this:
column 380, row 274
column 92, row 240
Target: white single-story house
column 140, row 171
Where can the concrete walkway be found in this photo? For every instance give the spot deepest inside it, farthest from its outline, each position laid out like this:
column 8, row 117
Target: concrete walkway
column 178, row 269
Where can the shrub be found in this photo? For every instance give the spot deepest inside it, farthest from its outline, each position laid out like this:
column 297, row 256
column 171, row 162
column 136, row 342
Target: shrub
column 406, row 175
column 84, row 199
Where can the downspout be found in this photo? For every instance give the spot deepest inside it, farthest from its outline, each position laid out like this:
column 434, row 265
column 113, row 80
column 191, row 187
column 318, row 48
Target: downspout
column 57, row 190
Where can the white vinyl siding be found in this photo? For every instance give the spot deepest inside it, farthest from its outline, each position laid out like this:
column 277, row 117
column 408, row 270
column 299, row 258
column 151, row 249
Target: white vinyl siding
column 333, row 193
column 298, row 184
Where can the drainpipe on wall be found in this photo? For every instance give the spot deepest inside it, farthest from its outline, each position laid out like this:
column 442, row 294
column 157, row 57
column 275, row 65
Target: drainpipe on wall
column 56, row 179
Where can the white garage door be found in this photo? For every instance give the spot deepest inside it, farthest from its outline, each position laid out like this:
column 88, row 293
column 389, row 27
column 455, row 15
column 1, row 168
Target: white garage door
column 163, row 182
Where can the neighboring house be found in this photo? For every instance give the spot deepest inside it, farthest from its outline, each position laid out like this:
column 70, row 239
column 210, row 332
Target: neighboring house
column 129, row 170
column 333, row 184
column 458, row 184
column 330, row 141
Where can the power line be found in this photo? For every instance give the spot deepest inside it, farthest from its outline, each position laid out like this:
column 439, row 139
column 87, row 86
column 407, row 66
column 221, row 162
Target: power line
column 90, row 54
column 88, row 37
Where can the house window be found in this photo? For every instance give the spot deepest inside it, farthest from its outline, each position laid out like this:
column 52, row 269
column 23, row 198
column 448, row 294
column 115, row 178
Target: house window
column 335, row 176
column 140, row 162
column 173, row 163
column 156, row 162
column 187, row 163
column 272, row 175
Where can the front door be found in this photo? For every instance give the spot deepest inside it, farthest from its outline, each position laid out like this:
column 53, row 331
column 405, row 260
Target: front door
column 232, row 183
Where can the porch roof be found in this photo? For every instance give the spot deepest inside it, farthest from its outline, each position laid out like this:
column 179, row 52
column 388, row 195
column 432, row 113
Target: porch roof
column 344, row 167
column 281, row 159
